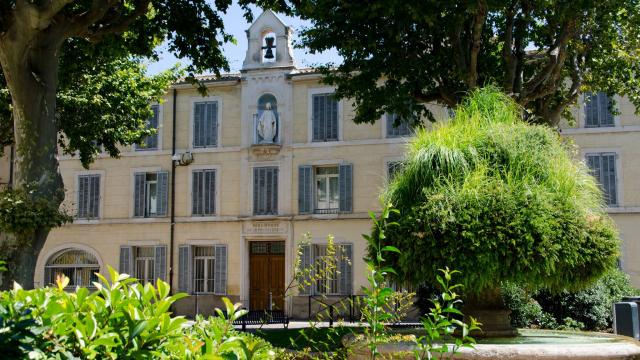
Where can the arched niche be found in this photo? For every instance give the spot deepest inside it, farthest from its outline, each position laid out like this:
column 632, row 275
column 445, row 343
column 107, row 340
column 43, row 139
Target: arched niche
column 267, row 120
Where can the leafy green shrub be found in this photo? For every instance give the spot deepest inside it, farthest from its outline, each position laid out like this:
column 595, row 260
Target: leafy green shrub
column 499, row 200
column 121, row 319
column 587, row 309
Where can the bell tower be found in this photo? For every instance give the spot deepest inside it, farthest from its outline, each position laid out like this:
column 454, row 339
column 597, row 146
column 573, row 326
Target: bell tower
column 269, row 43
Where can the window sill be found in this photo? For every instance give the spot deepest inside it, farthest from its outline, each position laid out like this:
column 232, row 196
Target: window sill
column 86, row 221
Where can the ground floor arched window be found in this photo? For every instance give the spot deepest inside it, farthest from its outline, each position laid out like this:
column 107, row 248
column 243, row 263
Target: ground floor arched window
column 78, row 265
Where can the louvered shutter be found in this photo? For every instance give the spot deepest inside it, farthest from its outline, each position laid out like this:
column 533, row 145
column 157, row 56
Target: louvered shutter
column 606, row 115
column 220, row 275
column 209, row 192
column 265, row 191
column 212, row 124
column 345, row 266
column 83, row 194
column 126, row 260
column 306, row 270
column 332, row 133
column 318, row 119
column 608, row 174
column 163, row 193
column 95, row 197
column 305, row 189
column 198, row 128
column 196, row 193
column 160, row 264
column 346, row 188
column 591, row 109
column 184, row 268
column 139, row 195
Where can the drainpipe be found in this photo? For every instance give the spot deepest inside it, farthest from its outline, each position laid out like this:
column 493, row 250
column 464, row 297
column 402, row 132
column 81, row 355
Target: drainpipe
column 173, row 191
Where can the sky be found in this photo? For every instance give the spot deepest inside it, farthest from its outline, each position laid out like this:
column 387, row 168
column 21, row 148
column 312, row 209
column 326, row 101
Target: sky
column 235, row 24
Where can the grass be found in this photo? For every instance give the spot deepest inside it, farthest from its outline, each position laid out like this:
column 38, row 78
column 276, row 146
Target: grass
column 317, row 339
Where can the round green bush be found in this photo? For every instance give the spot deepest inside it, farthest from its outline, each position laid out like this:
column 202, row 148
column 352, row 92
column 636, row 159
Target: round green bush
column 499, row 200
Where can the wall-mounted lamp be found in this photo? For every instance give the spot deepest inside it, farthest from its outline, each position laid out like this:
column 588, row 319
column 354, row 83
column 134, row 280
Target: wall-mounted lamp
column 183, row 159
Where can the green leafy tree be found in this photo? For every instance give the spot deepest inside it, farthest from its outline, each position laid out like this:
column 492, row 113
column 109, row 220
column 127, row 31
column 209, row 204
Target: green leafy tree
column 398, row 55
column 500, row 200
column 72, row 80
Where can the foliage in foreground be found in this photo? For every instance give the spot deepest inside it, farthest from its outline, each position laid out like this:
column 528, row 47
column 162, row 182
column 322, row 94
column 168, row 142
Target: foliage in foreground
column 587, row 309
column 121, row 319
column 501, row 200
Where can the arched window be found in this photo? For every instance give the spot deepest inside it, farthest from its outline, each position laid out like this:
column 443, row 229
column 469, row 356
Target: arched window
column 267, row 132
column 268, row 46
column 78, row 265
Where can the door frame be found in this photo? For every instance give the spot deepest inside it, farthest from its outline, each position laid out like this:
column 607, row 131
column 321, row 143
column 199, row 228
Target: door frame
column 270, row 256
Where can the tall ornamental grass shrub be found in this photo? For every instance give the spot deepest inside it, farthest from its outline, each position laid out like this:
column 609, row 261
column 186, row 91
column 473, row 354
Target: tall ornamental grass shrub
column 499, row 200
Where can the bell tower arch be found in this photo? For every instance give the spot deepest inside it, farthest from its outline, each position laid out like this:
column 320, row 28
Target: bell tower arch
column 269, row 43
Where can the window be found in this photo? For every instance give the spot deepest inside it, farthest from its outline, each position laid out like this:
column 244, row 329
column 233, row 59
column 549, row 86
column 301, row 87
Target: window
column 393, row 167
column 205, row 124
column 597, row 110
column 603, row 168
column 88, row 197
column 399, row 129
column 146, row 263
column 79, row 266
column 202, row 269
column 333, row 271
column 325, row 189
column 203, row 193
column 151, row 141
column 150, row 194
column 265, row 191
column 324, row 117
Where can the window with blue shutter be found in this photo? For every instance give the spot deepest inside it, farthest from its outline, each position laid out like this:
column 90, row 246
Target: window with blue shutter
column 397, row 127
column 203, row 189
column 151, row 142
column 603, row 168
column 184, row 268
column 265, row 190
column 346, row 188
column 205, row 124
column 324, row 117
column 305, row 189
column 160, row 269
column 317, row 277
column 150, row 194
column 88, row 197
column 202, row 269
column 597, row 110
column 126, row 260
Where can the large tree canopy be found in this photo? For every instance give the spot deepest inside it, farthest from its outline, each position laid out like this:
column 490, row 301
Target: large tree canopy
column 544, row 53
column 72, row 80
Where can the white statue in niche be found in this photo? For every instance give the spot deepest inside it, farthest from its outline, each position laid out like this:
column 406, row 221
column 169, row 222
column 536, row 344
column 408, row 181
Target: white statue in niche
column 267, row 125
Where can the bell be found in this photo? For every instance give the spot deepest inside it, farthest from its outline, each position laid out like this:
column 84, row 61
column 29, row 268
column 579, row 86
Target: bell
column 269, row 53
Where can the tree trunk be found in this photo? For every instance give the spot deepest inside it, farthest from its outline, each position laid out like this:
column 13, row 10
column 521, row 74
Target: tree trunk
column 30, row 66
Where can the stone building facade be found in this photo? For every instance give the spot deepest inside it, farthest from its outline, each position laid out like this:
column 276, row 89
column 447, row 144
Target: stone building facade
column 219, row 199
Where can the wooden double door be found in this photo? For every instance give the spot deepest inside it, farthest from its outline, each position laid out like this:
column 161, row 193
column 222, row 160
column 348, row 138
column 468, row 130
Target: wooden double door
column 266, row 275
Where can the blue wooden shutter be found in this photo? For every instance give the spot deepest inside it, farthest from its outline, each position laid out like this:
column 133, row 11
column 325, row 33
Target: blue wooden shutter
column 198, row 119
column 160, row 263
column 332, row 122
column 83, row 195
column 591, row 109
column 608, row 175
column 163, row 193
column 305, row 189
column 345, row 184
column 220, row 275
column 126, row 261
column 209, row 192
column 606, row 115
column 184, row 268
column 196, row 193
column 306, row 269
column 265, row 191
column 318, row 118
column 345, row 264
column 212, row 124
column 94, row 197
column 139, row 196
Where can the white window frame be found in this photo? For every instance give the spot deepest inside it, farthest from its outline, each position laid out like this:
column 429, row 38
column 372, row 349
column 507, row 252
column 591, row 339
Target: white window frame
column 619, row 176
column 325, row 210
column 159, row 132
column 216, row 195
column 206, row 259
column 132, row 191
column 76, row 185
column 582, row 118
column 146, row 260
column 192, row 113
column 319, row 91
column 206, row 243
